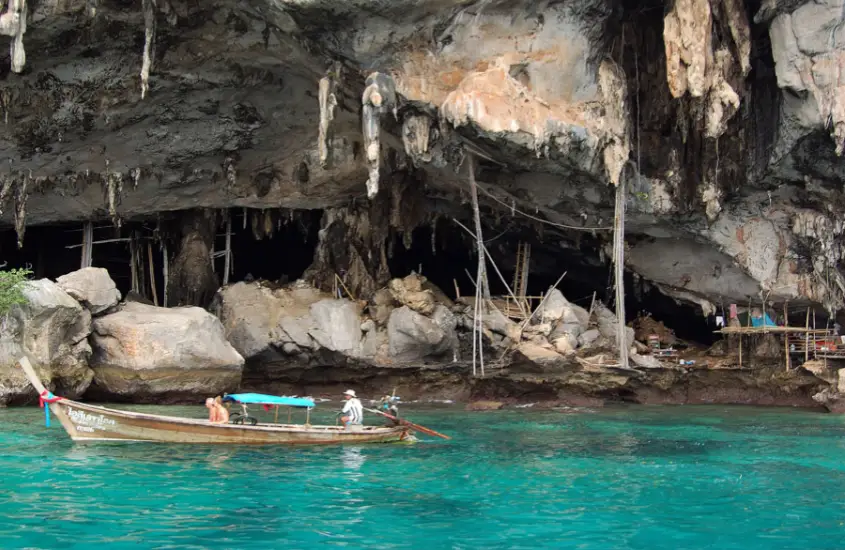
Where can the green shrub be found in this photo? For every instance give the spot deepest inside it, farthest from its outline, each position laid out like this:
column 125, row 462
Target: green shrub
column 11, row 288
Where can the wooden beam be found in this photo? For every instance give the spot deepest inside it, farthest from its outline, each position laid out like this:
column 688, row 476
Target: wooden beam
column 120, row 240
column 227, row 263
column 152, row 274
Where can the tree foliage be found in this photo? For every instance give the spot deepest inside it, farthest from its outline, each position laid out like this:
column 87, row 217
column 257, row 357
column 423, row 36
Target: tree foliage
column 11, row 288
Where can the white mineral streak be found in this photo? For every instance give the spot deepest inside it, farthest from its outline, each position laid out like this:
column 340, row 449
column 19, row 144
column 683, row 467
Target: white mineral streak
column 149, row 44
column 328, row 102
column 13, row 23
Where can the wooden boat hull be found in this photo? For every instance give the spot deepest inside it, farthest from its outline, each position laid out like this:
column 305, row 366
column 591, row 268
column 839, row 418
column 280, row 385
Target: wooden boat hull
column 85, row 422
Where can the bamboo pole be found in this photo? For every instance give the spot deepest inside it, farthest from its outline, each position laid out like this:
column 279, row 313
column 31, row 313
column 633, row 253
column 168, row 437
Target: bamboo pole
column 482, row 289
column 740, row 350
column 495, row 268
column 152, row 274
column 133, row 262
column 228, row 256
column 815, row 334
column 807, row 337
column 165, row 268
column 786, row 335
column 619, row 264
column 543, row 301
column 103, row 241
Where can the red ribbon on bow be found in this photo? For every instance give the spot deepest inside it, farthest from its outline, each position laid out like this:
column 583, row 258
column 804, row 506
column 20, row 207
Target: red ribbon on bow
column 47, row 397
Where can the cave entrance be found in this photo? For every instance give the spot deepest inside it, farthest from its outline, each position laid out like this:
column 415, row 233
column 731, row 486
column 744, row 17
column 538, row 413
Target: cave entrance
column 446, row 255
column 274, row 245
column 51, row 251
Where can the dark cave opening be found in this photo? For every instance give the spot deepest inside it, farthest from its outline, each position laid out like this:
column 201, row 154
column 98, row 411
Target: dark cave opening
column 446, row 263
column 281, row 254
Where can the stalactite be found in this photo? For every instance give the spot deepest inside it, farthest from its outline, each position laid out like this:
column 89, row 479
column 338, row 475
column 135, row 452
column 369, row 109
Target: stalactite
column 7, row 186
column 231, row 174
column 379, row 97
column 91, row 6
column 256, row 227
column 136, row 177
column 13, row 23
column 328, row 103
column 268, row 224
column 415, row 135
column 21, row 196
column 149, row 8
column 114, row 188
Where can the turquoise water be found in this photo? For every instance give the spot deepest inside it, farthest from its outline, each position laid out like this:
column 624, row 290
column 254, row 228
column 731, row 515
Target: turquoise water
column 645, row 477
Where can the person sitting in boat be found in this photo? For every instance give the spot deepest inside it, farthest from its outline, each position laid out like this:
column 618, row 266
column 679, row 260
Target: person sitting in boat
column 212, row 410
column 388, row 405
column 353, row 411
column 221, row 413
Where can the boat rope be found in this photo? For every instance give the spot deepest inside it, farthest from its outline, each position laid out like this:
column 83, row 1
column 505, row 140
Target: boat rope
column 47, row 397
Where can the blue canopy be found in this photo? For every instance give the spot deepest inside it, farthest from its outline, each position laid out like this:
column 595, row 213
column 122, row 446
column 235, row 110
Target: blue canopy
column 764, row 321
column 262, row 399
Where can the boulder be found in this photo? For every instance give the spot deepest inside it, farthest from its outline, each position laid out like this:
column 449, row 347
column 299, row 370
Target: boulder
column 52, row 330
column 92, row 287
column 381, row 306
column 412, row 336
column 588, row 338
column 606, row 321
column 535, row 354
column 338, row 325
column 565, row 343
column 259, row 319
column 151, row 353
column 553, row 307
column 409, row 292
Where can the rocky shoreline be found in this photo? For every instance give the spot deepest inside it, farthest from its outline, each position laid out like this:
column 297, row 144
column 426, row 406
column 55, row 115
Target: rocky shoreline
column 410, row 337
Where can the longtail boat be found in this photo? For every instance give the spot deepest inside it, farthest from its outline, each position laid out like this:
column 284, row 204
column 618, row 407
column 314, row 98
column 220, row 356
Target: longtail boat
column 84, row 422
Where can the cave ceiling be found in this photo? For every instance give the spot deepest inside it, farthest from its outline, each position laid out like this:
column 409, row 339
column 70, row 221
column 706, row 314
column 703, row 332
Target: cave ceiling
column 724, row 128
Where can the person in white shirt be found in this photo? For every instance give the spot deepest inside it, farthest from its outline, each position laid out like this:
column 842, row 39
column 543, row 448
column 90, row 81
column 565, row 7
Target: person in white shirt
column 353, row 411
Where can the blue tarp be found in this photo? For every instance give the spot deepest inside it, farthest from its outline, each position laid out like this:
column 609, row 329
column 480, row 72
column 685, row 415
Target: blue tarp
column 261, row 399
column 764, row 321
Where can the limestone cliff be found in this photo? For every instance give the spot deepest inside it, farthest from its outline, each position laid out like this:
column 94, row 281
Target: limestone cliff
column 723, row 118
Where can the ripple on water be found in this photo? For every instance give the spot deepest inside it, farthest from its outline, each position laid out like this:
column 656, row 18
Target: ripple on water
column 631, row 478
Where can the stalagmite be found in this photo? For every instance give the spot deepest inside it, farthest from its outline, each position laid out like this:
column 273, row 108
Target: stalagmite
column 13, row 23
column 379, row 97
column 92, row 6
column 328, row 102
column 149, row 7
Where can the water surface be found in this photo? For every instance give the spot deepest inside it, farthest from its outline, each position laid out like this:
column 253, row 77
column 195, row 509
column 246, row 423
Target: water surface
column 627, row 478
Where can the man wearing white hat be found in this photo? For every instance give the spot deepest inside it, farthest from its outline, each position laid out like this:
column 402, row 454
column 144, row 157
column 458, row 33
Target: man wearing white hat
column 353, row 411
